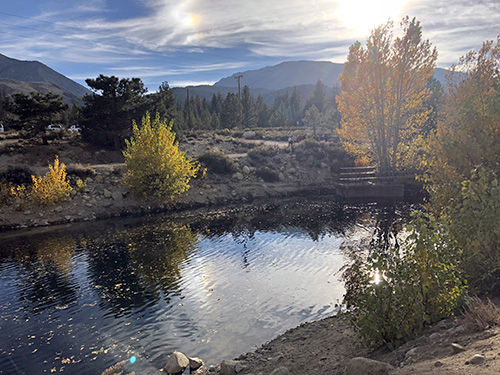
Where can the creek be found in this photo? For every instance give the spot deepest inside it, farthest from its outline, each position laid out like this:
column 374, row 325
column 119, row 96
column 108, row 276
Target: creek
column 79, row 298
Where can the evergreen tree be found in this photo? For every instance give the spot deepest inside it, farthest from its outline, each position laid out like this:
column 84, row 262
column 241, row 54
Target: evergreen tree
column 35, row 111
column 108, row 112
column 262, row 111
column 248, row 109
column 230, row 111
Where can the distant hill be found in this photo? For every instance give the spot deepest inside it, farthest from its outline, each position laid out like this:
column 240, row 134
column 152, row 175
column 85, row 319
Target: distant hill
column 287, row 74
column 278, row 78
column 26, row 76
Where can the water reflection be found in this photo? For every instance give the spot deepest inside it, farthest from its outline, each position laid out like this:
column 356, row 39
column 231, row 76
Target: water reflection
column 96, row 293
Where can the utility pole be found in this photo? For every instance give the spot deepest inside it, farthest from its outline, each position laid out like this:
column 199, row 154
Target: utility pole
column 239, row 97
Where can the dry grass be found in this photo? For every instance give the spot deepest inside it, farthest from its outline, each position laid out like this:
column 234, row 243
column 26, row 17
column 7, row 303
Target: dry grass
column 481, row 315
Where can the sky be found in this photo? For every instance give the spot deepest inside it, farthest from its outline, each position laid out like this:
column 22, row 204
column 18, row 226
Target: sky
column 191, row 42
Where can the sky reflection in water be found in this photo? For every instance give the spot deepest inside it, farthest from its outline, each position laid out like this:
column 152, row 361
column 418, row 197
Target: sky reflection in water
column 80, row 298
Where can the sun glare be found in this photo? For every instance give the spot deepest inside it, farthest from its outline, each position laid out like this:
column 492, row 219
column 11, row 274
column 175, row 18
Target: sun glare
column 363, row 15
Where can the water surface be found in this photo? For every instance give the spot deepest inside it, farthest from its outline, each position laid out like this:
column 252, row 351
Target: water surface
column 77, row 299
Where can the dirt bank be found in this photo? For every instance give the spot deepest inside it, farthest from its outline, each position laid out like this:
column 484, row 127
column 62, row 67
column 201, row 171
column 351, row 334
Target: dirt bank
column 310, row 168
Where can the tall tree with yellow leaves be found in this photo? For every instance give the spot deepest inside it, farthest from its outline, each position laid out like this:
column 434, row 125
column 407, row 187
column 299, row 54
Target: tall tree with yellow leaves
column 383, row 94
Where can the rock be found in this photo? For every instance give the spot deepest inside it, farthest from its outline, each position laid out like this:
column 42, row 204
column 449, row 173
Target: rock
column 107, row 193
column 249, row 134
column 281, row 176
column 58, row 209
column 27, row 212
column 73, row 193
column 238, row 176
column 246, row 170
column 99, row 178
column 88, row 180
column 176, row 363
column 457, row 348
column 365, row 366
column 281, row 371
column 89, row 204
column 107, row 204
column 195, row 363
column 117, row 195
column 292, row 171
column 228, row 367
column 86, row 197
column 478, row 359
column 438, row 364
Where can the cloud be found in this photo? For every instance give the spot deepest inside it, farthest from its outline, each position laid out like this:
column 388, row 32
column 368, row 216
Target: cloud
column 181, row 37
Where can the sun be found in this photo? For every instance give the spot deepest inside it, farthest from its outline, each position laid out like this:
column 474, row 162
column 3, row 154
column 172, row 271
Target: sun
column 361, row 16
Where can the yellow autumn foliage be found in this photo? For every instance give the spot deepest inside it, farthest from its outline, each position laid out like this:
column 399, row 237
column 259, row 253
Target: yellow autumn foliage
column 52, row 188
column 383, row 94
column 156, row 169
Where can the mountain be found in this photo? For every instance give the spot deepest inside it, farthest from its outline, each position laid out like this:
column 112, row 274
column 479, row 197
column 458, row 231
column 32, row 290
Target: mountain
column 287, row 74
column 270, row 80
column 26, row 76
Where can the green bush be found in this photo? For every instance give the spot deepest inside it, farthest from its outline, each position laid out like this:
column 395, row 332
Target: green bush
column 473, row 218
column 217, row 162
column 392, row 294
column 267, row 174
column 156, row 169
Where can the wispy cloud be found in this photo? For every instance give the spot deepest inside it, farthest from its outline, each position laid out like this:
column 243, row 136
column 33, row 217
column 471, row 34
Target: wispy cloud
column 194, row 37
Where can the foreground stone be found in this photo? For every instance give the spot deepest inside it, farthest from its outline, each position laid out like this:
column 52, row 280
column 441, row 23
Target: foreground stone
column 229, row 367
column 195, row 363
column 365, row 366
column 176, row 363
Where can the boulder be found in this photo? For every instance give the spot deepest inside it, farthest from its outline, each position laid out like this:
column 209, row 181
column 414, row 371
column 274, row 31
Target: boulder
column 117, row 195
column 195, row 363
column 478, row 359
column 365, row 366
column 238, row 176
column 176, row 363
column 107, row 193
column 246, row 169
column 249, row 134
column 228, row 367
column 457, row 348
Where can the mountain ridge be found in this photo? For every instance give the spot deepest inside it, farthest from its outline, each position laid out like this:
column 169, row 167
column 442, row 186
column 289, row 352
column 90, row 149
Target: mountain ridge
column 17, row 74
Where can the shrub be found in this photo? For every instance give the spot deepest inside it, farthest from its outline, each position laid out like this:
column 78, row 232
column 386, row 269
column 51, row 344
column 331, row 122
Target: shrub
column 16, row 175
column 480, row 315
column 78, row 170
column 53, row 187
column 393, row 294
column 156, row 169
column 267, row 174
column 262, row 154
column 217, row 162
column 5, row 193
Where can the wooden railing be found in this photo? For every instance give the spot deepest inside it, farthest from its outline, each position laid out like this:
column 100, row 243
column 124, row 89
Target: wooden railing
column 370, row 175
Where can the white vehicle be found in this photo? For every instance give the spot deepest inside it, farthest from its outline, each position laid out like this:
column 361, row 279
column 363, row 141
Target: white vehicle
column 74, row 128
column 54, row 127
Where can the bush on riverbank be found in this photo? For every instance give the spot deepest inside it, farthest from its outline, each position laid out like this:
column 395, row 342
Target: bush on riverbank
column 394, row 293
column 156, row 169
column 217, row 162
